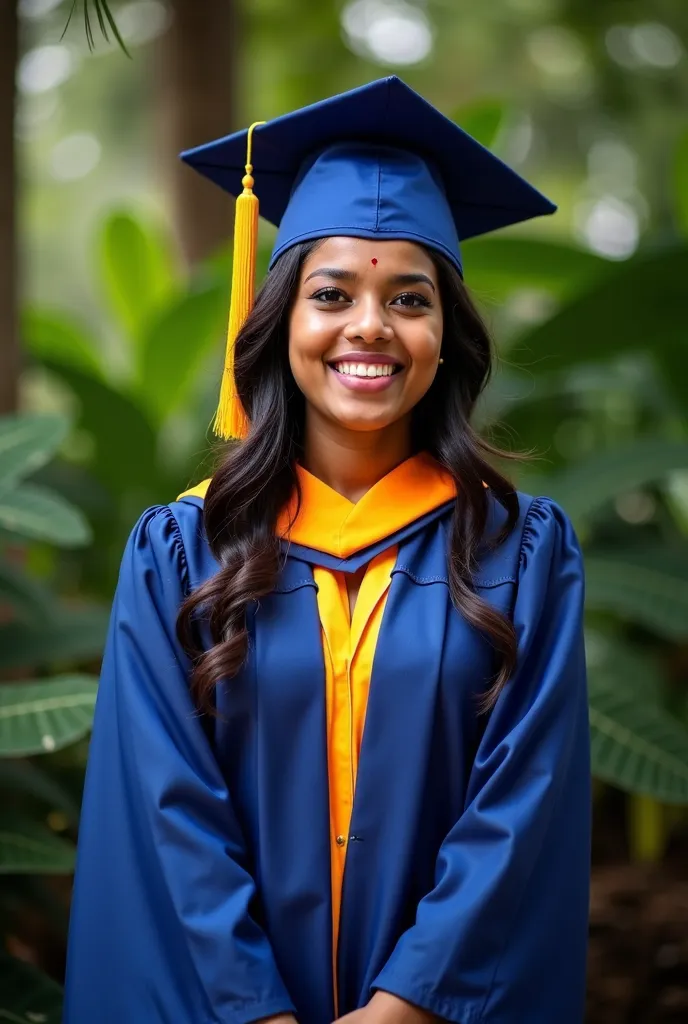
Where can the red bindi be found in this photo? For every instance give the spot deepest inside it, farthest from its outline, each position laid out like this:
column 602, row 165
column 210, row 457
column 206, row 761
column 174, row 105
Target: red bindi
column 374, row 262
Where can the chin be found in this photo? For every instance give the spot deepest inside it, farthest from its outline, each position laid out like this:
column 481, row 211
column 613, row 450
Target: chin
column 362, row 423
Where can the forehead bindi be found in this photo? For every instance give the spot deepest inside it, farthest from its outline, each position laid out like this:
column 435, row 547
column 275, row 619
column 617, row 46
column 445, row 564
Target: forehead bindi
column 374, row 261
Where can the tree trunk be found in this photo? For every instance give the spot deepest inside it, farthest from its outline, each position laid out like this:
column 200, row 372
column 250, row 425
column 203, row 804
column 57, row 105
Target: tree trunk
column 195, row 75
column 9, row 343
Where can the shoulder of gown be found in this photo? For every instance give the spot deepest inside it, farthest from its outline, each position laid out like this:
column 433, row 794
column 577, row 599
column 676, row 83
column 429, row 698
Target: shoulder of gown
column 172, row 539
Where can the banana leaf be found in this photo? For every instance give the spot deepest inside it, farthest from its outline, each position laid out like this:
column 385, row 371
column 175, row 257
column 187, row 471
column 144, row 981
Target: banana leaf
column 29, row 848
column 27, row 442
column 46, row 715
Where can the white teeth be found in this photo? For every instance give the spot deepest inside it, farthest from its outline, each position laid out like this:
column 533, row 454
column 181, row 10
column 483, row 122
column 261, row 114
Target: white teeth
column 365, row 369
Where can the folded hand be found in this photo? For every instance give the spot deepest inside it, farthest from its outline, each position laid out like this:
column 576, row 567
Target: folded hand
column 385, row 1008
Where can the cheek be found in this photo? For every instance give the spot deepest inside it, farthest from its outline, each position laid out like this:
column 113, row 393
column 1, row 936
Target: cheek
column 424, row 345
column 309, row 339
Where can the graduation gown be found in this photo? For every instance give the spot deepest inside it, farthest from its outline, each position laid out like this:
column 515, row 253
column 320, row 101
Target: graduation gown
column 205, row 884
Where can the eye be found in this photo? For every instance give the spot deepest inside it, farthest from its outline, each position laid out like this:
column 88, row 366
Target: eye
column 329, row 295
column 412, row 300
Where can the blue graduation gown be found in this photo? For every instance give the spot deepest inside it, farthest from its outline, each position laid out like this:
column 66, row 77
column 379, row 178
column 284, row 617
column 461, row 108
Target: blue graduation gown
column 202, row 891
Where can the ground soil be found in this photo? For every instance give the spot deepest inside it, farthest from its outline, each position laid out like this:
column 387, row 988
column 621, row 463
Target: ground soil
column 638, row 950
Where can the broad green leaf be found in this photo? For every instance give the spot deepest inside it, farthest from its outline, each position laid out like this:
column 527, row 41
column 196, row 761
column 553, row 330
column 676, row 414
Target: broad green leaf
column 636, row 745
column 70, row 635
column 27, row 847
column 588, row 485
column 27, row 442
column 648, row 587
column 124, row 455
column 52, row 335
column 641, row 306
column 27, row 996
column 177, row 345
column 33, row 511
column 681, row 184
column 22, row 776
column 676, row 496
column 632, row 667
column 46, row 715
column 28, row 599
column 482, row 120
column 496, row 267
column 136, row 267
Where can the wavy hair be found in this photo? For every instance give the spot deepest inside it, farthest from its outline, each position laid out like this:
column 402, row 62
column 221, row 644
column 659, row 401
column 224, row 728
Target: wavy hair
column 257, row 477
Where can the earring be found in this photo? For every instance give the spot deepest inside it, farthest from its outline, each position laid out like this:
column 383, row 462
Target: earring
column 440, row 361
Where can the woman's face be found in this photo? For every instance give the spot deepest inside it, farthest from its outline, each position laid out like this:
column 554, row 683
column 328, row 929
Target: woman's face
column 365, row 331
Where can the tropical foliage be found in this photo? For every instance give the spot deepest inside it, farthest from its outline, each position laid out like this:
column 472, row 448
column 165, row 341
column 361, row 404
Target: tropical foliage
column 46, row 710
column 592, row 379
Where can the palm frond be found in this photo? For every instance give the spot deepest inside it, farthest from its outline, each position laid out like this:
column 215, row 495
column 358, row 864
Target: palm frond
column 87, row 26
column 102, row 6
column 101, row 19
column 105, row 19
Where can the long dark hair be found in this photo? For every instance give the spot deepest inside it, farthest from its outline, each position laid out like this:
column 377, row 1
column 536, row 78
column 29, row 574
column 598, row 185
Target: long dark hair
column 257, row 476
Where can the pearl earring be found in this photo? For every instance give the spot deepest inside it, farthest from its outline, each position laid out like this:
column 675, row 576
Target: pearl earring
column 441, row 361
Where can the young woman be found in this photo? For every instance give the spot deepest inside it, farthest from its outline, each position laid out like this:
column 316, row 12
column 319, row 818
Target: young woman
column 340, row 762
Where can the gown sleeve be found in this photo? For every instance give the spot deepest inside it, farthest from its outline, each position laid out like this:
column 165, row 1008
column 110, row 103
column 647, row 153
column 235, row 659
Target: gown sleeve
column 161, row 927
column 502, row 937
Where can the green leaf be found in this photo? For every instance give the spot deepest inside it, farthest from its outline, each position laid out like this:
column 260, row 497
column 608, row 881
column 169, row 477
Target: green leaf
column 482, row 120
column 125, row 444
column 71, row 635
column 113, row 26
column 27, row 996
column 101, row 20
column 46, row 715
column 101, row 9
column 646, row 586
column 636, row 745
column 27, row 598
column 33, row 511
column 496, row 267
column 136, row 269
column 27, row 442
column 681, row 184
column 27, row 847
column 177, row 344
column 52, row 335
column 633, row 667
column 87, row 26
column 638, row 307
column 588, row 485
column 26, row 777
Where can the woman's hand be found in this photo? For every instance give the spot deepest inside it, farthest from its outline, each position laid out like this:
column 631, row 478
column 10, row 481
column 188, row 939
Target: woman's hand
column 385, row 1008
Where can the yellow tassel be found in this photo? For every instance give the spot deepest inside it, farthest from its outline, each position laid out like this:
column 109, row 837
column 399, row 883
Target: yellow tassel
column 230, row 419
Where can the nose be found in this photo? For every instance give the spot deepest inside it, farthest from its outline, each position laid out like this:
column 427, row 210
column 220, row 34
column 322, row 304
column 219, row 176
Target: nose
column 368, row 322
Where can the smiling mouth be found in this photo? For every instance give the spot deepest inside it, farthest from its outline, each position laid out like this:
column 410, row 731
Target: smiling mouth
column 348, row 369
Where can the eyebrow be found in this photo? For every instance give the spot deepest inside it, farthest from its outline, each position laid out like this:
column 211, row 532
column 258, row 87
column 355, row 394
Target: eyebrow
column 339, row 274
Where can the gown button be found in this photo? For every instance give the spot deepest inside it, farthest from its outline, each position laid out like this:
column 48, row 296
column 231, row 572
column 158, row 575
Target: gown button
column 341, row 840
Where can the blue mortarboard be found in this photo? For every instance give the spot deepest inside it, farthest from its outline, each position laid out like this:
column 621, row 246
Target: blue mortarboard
column 376, row 162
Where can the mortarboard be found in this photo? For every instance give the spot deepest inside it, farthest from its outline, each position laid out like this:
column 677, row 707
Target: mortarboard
column 376, row 162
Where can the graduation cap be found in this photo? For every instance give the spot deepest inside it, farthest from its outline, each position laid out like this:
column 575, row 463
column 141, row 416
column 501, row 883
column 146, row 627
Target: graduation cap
column 377, row 162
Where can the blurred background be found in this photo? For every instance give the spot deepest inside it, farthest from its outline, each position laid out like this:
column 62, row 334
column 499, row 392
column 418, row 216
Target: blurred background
column 114, row 270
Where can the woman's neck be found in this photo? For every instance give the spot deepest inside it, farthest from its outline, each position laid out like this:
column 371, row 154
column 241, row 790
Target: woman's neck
column 352, row 461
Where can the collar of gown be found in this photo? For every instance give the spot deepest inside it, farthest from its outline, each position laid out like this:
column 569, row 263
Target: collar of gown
column 326, row 521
